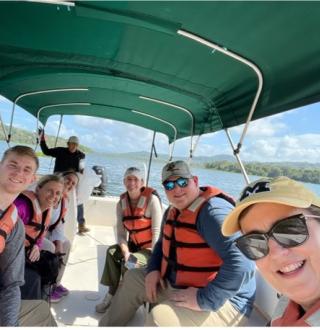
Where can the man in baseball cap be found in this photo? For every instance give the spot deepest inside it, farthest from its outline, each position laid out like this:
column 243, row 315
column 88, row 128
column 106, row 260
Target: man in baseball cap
column 279, row 219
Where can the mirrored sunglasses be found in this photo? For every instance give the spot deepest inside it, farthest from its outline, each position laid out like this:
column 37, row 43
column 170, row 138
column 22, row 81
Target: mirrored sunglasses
column 288, row 232
column 180, row 182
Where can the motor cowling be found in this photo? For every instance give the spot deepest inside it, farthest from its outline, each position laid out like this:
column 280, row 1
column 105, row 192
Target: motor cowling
column 101, row 190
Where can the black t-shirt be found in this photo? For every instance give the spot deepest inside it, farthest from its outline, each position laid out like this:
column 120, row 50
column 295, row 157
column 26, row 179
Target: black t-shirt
column 65, row 160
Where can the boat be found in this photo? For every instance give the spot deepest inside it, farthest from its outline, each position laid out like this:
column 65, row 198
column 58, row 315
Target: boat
column 182, row 69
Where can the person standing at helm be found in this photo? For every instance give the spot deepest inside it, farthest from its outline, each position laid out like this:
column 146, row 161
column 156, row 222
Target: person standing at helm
column 139, row 214
column 280, row 222
column 70, row 158
column 66, row 158
column 195, row 276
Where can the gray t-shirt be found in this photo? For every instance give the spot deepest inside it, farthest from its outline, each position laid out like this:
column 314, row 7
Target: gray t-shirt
column 12, row 263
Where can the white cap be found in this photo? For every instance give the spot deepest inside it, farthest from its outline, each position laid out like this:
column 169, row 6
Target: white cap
column 133, row 171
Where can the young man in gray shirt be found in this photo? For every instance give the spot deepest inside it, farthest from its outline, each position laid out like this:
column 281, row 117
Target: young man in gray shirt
column 17, row 171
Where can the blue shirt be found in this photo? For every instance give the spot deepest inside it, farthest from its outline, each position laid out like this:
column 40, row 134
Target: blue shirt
column 235, row 280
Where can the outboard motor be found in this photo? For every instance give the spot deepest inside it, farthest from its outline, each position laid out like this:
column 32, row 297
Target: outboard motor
column 101, row 190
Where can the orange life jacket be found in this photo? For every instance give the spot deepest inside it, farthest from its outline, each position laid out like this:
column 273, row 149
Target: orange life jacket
column 7, row 222
column 135, row 221
column 38, row 225
column 288, row 313
column 62, row 214
column 196, row 263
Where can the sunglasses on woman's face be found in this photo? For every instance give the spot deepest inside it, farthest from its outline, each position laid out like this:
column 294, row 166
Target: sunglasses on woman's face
column 170, row 184
column 288, row 232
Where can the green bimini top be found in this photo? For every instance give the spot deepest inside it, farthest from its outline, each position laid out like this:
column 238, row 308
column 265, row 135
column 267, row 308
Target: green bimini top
column 138, row 62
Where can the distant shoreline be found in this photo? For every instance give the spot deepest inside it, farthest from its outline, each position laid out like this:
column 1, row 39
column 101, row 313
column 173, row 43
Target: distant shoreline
column 305, row 174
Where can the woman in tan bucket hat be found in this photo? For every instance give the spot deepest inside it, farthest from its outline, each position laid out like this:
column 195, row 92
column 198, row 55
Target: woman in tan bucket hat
column 280, row 222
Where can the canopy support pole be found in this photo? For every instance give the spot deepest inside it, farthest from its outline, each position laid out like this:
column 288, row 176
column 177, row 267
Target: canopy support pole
column 150, row 158
column 4, row 131
column 179, row 108
column 56, row 141
column 194, row 148
column 165, row 122
column 19, row 97
column 236, row 153
column 238, row 58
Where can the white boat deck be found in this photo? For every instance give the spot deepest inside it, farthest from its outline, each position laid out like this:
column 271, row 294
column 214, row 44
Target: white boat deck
column 82, row 277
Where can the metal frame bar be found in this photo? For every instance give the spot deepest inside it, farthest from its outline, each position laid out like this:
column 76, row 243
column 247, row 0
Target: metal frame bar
column 236, row 154
column 56, row 141
column 176, row 107
column 195, row 146
column 150, row 158
column 19, row 97
column 57, row 105
column 240, row 59
column 4, row 131
column 54, row 2
column 163, row 121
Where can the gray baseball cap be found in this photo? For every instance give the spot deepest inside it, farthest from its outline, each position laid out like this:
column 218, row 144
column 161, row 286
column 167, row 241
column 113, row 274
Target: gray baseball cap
column 176, row 168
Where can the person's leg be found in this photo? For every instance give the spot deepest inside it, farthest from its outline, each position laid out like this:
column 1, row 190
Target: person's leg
column 31, row 290
column 35, row 313
column 112, row 268
column 60, row 289
column 111, row 275
column 128, row 298
column 49, row 291
column 47, row 245
column 66, row 250
column 167, row 314
column 81, row 220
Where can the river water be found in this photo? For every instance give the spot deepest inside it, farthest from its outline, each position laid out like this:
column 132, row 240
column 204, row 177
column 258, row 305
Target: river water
column 116, row 165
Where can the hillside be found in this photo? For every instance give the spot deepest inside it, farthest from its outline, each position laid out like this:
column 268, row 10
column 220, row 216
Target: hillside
column 23, row 136
column 164, row 157
column 298, row 171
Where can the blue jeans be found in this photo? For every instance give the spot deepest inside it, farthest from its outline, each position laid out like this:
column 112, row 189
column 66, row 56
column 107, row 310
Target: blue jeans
column 80, row 217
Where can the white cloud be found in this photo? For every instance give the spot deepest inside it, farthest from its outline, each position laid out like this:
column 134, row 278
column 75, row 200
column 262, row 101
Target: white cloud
column 265, row 127
column 298, row 148
column 267, row 139
column 52, row 127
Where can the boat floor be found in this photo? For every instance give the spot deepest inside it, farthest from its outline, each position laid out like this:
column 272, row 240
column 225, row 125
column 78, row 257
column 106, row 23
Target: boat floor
column 82, row 278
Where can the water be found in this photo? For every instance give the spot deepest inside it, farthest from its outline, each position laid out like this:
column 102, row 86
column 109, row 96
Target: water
column 231, row 183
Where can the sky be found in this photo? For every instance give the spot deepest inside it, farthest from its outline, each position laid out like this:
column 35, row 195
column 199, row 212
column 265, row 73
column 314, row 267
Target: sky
column 290, row 136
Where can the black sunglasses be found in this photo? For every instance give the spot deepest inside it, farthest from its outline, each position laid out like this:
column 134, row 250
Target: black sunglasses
column 170, row 184
column 288, row 232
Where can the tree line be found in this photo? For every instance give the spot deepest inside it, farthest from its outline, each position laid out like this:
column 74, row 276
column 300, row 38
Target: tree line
column 23, row 136
column 305, row 174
